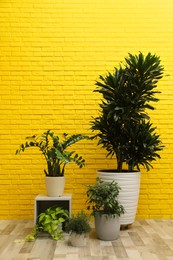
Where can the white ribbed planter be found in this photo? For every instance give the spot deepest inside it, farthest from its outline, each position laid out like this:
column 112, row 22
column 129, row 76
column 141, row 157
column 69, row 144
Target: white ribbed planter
column 55, row 186
column 129, row 183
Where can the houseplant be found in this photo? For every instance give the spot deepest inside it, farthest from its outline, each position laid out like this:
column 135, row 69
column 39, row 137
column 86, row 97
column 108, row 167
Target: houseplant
column 123, row 125
column 106, row 209
column 78, row 226
column 50, row 221
column 57, row 156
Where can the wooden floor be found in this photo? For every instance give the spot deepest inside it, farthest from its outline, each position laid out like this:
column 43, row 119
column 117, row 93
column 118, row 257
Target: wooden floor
column 144, row 240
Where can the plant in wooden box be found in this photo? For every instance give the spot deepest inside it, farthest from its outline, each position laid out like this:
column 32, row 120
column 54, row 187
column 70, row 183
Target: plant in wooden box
column 50, row 221
column 57, row 157
column 123, row 126
column 106, row 209
column 78, row 226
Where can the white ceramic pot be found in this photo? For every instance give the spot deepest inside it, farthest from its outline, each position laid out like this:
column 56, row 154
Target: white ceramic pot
column 77, row 239
column 107, row 227
column 55, row 186
column 129, row 183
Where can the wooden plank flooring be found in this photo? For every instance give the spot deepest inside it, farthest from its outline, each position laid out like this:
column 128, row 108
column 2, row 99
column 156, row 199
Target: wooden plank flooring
column 144, row 240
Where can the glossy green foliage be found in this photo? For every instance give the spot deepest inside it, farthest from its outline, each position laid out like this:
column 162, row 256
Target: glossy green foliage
column 51, row 222
column 55, row 151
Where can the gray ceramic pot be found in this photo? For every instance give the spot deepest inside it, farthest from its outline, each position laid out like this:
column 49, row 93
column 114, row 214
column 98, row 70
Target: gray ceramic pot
column 107, row 227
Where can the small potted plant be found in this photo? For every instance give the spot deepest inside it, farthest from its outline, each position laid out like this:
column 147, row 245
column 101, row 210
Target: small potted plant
column 57, row 156
column 78, row 226
column 123, row 125
column 106, row 209
column 50, row 221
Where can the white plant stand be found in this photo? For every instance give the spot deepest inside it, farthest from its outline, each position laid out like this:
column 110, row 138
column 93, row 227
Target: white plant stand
column 43, row 202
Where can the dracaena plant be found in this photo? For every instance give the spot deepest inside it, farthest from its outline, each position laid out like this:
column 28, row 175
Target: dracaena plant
column 55, row 151
column 123, row 125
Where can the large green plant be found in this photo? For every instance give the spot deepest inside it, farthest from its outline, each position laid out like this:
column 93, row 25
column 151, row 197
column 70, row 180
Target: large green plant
column 123, row 125
column 55, row 151
column 50, row 221
column 102, row 198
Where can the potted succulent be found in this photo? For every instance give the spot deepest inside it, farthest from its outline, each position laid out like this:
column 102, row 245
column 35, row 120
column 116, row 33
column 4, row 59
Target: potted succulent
column 51, row 222
column 78, row 226
column 102, row 198
column 123, row 126
column 57, row 156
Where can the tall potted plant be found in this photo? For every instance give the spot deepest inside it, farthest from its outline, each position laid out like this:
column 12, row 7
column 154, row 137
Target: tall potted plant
column 123, row 126
column 57, row 156
column 106, row 209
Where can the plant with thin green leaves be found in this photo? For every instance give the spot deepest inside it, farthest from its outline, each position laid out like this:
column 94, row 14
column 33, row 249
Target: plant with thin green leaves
column 78, row 224
column 123, row 126
column 50, row 221
column 55, row 151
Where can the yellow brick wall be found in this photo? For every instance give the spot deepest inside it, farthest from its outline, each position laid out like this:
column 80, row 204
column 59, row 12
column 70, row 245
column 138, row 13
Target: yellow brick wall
column 51, row 53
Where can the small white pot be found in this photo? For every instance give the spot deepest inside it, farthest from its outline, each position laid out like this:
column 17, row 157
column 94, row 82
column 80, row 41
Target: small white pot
column 129, row 183
column 77, row 239
column 55, row 186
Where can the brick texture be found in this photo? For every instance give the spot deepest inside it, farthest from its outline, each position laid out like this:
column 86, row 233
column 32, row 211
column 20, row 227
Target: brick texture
column 51, row 53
